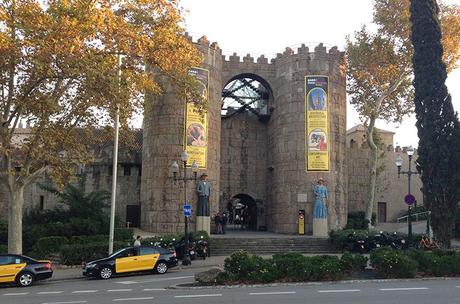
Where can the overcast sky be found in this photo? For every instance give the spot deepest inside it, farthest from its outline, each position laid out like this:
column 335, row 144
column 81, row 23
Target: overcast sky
column 268, row 27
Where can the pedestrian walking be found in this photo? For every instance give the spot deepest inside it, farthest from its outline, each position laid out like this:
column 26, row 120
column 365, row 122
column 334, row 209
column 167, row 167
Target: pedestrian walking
column 137, row 242
column 224, row 222
column 218, row 223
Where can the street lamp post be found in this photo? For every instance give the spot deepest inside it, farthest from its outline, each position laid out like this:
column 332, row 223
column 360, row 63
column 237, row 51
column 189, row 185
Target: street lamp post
column 399, row 162
column 175, row 169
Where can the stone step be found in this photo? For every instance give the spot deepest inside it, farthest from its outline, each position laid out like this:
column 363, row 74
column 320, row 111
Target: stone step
column 226, row 246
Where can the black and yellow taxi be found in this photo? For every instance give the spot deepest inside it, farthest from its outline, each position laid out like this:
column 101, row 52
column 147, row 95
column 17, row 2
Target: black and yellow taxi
column 22, row 270
column 132, row 259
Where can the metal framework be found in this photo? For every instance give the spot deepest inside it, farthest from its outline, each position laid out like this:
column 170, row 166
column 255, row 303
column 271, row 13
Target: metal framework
column 245, row 94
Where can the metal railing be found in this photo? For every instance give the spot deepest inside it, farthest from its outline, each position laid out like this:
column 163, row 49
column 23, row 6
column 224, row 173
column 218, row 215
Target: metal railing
column 414, row 215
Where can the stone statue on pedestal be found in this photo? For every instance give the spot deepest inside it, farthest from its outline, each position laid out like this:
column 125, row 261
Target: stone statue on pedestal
column 320, row 227
column 203, row 189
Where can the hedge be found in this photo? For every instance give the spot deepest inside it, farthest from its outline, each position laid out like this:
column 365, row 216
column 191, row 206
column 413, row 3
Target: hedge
column 353, row 263
column 79, row 253
column 391, row 263
column 291, row 267
column 48, row 245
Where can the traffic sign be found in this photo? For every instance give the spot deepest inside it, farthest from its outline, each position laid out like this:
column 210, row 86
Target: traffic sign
column 187, row 210
column 409, row 199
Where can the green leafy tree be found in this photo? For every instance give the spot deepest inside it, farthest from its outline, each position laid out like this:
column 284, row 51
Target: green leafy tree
column 437, row 123
column 58, row 72
column 380, row 71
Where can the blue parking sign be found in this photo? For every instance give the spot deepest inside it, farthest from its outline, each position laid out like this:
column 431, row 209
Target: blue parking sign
column 187, row 210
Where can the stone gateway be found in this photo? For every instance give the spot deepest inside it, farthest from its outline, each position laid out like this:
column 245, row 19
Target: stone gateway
column 256, row 141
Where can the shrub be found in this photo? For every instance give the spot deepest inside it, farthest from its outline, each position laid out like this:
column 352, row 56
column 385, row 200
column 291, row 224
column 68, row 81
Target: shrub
column 78, row 253
column 202, row 233
column 86, row 239
column 438, row 262
column 326, row 267
column 292, row 266
column 123, row 234
column 353, row 262
column 48, row 245
column 392, row 263
column 356, row 220
column 241, row 266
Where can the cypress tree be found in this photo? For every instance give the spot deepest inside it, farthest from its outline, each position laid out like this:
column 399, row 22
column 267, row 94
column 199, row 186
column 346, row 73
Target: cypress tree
column 437, row 123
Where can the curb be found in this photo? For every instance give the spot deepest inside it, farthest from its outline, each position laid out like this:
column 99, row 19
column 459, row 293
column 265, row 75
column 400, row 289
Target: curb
column 81, row 277
column 177, row 286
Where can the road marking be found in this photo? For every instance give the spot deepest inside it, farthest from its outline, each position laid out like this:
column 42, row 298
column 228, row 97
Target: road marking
column 154, row 289
column 338, row 290
column 133, row 299
column 119, row 290
column 157, row 280
column 16, row 294
column 71, row 302
column 48, row 292
column 127, row 282
column 84, row 291
column 200, row 295
column 404, row 288
column 271, row 293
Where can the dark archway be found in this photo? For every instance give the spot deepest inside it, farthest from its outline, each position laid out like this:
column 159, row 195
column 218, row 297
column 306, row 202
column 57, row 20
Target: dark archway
column 242, row 209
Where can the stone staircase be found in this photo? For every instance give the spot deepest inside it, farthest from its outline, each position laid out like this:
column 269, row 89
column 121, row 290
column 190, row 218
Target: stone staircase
column 261, row 246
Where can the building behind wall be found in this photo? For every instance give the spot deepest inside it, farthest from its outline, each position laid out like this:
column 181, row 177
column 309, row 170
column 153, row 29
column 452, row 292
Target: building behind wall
column 389, row 195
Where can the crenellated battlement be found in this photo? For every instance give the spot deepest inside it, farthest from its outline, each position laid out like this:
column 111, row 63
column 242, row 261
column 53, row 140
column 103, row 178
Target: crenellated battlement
column 203, row 42
column 320, row 52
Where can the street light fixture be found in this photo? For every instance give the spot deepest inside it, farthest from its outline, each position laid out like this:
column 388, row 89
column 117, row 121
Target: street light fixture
column 399, row 162
column 175, row 170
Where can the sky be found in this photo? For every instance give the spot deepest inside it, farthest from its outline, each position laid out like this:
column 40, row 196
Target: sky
column 268, row 27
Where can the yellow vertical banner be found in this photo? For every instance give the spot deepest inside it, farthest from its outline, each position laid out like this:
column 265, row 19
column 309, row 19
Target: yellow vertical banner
column 316, row 123
column 196, row 123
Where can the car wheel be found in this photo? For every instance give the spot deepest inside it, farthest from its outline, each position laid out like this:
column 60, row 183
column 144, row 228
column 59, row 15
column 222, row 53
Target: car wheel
column 25, row 279
column 161, row 267
column 105, row 273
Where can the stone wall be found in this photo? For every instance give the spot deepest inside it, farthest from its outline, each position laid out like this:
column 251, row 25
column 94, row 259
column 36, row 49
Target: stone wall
column 243, row 158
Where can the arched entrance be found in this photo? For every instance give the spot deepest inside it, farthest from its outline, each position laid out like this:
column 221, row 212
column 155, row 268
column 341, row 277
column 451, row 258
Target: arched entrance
column 242, row 210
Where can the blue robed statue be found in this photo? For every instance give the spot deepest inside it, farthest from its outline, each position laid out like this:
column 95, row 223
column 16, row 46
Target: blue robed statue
column 321, row 195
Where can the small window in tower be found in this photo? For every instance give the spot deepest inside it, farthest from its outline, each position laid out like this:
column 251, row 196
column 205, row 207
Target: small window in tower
column 42, row 202
column 110, row 170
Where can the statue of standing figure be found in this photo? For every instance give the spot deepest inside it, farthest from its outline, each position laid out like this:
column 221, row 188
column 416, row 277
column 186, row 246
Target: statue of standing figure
column 321, row 195
column 203, row 189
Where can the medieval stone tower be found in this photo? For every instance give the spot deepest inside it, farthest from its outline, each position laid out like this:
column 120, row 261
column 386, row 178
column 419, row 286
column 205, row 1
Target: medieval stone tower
column 256, row 152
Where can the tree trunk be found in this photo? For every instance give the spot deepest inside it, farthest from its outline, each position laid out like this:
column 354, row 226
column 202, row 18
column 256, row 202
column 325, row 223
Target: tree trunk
column 372, row 170
column 15, row 208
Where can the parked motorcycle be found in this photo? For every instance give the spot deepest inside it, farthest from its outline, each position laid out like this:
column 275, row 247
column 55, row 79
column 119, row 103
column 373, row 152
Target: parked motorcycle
column 202, row 248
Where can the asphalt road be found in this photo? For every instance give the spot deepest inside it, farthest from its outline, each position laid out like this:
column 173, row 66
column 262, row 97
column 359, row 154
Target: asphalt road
column 150, row 289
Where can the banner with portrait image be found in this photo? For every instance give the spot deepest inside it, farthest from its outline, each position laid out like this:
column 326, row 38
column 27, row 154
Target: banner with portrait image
column 316, row 123
column 196, row 123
